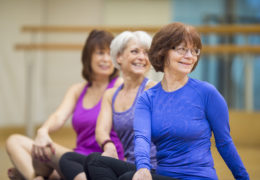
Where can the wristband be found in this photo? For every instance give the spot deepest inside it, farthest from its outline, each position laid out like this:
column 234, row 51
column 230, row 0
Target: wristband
column 105, row 142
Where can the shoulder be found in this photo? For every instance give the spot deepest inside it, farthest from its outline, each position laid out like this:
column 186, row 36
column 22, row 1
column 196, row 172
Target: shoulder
column 152, row 87
column 74, row 91
column 150, row 84
column 108, row 95
column 77, row 88
column 205, row 90
column 202, row 86
column 118, row 82
column 150, row 92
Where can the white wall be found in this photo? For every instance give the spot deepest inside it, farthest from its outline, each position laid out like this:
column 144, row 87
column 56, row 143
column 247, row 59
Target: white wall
column 13, row 14
column 137, row 12
column 54, row 71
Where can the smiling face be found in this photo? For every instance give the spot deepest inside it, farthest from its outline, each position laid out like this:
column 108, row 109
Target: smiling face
column 134, row 58
column 180, row 63
column 101, row 63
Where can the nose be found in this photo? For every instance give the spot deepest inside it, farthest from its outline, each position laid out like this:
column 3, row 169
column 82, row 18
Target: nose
column 143, row 55
column 107, row 57
column 188, row 53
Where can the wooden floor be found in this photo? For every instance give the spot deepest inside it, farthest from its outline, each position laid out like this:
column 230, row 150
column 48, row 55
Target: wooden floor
column 244, row 130
column 249, row 155
column 64, row 137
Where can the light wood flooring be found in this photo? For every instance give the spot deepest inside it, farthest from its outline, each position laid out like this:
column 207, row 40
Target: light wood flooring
column 244, row 130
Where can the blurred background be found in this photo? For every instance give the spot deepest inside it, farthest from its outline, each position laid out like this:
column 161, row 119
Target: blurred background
column 33, row 81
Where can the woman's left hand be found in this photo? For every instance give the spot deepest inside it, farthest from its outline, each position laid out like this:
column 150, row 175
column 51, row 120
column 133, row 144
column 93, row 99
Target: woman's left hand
column 110, row 151
column 141, row 174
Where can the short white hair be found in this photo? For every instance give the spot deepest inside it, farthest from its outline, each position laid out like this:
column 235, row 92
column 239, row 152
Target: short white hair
column 120, row 42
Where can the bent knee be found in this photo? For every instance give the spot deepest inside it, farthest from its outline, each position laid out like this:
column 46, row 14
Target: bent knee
column 92, row 157
column 70, row 158
column 67, row 156
column 12, row 142
column 91, row 160
column 80, row 176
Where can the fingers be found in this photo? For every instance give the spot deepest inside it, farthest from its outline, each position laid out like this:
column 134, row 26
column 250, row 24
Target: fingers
column 33, row 151
column 43, row 153
column 45, row 156
column 52, row 148
column 38, row 153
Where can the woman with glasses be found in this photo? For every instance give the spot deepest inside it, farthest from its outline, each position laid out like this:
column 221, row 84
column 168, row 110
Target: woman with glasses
column 179, row 115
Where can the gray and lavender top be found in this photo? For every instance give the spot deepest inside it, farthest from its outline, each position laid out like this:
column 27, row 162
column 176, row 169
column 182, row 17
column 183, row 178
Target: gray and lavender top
column 123, row 125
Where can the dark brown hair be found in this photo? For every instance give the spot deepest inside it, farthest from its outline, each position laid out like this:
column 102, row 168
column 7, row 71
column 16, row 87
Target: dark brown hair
column 169, row 37
column 96, row 39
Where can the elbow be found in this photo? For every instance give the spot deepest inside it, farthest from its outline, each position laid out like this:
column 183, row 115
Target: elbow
column 223, row 143
column 101, row 135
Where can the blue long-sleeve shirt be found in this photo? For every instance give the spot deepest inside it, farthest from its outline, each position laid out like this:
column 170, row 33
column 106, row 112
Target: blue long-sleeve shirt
column 180, row 124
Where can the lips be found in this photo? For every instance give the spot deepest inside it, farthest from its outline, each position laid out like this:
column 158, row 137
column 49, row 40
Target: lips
column 185, row 63
column 104, row 66
column 139, row 64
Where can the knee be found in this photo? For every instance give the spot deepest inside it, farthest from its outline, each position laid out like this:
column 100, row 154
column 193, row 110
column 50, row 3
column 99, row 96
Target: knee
column 91, row 158
column 65, row 158
column 12, row 142
column 68, row 156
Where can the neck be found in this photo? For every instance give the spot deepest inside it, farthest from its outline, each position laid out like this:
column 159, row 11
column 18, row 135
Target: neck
column 132, row 82
column 100, row 82
column 172, row 82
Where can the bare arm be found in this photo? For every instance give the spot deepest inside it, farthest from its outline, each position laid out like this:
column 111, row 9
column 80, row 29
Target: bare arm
column 64, row 111
column 104, row 125
column 55, row 122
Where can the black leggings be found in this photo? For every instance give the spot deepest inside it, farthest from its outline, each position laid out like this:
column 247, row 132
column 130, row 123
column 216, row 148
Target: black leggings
column 71, row 164
column 99, row 167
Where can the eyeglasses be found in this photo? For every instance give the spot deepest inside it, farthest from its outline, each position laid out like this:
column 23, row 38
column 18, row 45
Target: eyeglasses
column 182, row 51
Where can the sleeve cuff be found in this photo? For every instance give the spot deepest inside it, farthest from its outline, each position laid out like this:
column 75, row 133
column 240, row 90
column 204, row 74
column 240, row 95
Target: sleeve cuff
column 143, row 166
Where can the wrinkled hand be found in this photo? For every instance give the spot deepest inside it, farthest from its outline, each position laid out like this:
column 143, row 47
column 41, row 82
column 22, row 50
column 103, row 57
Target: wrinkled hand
column 110, row 151
column 142, row 174
column 43, row 147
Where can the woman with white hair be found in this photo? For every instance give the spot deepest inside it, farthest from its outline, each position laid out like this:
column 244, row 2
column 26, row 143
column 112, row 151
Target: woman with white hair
column 129, row 52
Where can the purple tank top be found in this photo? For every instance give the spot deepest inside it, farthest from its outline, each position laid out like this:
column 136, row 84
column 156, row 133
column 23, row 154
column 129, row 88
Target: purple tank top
column 84, row 123
column 123, row 125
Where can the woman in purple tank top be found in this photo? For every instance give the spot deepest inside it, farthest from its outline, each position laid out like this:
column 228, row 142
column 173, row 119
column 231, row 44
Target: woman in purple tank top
column 38, row 157
column 129, row 51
